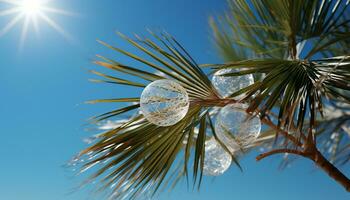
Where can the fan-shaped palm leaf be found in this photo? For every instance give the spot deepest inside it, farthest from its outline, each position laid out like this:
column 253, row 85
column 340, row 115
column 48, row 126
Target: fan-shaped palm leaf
column 137, row 154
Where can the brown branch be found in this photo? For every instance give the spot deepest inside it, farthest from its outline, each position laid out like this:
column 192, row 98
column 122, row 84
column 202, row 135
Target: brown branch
column 284, row 133
column 277, row 151
column 211, row 102
column 331, row 170
column 308, row 151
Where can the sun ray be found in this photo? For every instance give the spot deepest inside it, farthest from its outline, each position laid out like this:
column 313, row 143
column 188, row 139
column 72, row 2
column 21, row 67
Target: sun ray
column 55, row 26
column 58, row 11
column 9, row 11
column 36, row 24
column 24, row 33
column 13, row 2
column 11, row 24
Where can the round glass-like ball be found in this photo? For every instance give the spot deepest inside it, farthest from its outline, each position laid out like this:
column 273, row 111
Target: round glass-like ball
column 216, row 159
column 227, row 85
column 164, row 102
column 235, row 128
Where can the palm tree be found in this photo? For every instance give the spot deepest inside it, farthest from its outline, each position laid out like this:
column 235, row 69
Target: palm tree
column 298, row 52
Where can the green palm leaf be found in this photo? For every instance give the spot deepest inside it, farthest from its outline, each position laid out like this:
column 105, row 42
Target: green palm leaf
column 273, row 28
column 139, row 155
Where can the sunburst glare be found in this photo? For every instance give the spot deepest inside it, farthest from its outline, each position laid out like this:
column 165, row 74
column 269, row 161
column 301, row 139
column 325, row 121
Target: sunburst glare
column 31, row 7
column 31, row 12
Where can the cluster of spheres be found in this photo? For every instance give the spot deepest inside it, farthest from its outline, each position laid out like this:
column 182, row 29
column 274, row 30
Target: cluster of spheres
column 165, row 103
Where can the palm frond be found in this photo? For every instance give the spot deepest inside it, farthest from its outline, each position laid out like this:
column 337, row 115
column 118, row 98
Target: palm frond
column 137, row 154
column 296, row 88
column 250, row 30
column 273, row 28
column 287, row 85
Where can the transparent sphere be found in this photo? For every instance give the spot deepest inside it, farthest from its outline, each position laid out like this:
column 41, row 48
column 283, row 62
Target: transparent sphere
column 235, row 128
column 164, row 102
column 216, row 159
column 228, row 85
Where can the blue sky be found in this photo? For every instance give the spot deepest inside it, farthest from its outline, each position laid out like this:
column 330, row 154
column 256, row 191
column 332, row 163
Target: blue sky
column 43, row 87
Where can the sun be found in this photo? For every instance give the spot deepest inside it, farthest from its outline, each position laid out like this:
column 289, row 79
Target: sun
column 31, row 13
column 31, row 7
